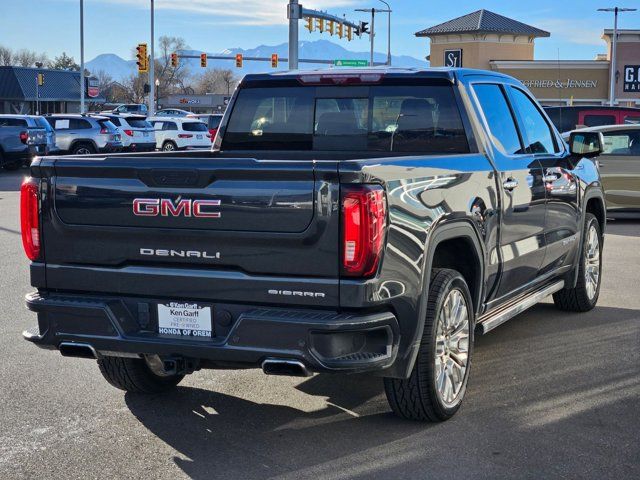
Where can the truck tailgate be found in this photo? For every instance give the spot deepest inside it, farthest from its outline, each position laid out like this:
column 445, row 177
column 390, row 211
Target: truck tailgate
column 118, row 220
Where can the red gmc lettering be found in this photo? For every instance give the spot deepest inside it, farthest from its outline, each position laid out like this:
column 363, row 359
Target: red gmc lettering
column 165, row 207
column 146, row 207
column 198, row 212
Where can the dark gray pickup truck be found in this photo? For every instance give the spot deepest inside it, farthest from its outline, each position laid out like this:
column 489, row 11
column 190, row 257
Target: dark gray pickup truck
column 345, row 221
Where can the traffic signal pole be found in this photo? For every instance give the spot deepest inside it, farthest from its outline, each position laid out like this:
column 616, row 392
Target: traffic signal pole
column 152, row 82
column 294, row 13
column 82, row 56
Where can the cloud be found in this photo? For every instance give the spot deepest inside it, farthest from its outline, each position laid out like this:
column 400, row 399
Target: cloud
column 244, row 12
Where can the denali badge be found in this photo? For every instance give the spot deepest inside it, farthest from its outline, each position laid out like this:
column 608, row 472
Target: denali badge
column 296, row 293
column 179, row 253
column 165, row 207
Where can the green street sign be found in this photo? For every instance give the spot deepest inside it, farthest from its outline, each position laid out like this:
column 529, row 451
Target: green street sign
column 351, row 63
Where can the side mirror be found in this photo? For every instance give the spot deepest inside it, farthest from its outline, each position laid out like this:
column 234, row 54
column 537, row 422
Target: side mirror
column 586, row 144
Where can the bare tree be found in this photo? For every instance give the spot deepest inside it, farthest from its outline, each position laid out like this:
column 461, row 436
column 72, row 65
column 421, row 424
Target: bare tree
column 215, row 81
column 6, row 56
column 171, row 79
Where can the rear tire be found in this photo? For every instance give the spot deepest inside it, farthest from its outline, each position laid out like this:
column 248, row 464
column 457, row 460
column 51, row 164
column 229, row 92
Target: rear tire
column 169, row 147
column 584, row 296
column 134, row 375
column 435, row 389
column 83, row 149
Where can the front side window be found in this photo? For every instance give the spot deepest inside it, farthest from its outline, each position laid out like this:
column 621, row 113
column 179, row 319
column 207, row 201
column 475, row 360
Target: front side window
column 502, row 127
column 170, row 126
column 624, row 143
column 12, row 122
column 537, row 134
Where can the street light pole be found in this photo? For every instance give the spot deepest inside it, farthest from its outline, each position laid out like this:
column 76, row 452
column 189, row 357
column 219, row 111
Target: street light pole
column 614, row 45
column 81, row 56
column 373, row 32
column 152, row 62
column 388, row 32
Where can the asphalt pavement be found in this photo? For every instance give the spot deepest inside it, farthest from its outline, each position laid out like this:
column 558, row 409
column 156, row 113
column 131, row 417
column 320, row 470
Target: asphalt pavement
column 551, row 395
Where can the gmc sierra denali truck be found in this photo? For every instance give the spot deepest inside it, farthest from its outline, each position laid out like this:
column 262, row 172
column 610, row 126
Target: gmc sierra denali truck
column 344, row 221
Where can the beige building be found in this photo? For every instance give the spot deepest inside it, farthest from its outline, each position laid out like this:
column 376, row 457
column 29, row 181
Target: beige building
column 486, row 40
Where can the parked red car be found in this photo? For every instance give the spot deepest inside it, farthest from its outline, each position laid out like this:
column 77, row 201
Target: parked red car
column 570, row 118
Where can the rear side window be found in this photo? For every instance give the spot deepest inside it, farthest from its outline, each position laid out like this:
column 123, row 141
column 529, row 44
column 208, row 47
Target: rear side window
column 624, row 143
column 539, row 136
column 417, row 119
column 79, row 124
column 138, row 123
column 194, row 127
column 13, row 122
column 115, row 121
column 499, row 118
column 598, row 120
column 106, row 124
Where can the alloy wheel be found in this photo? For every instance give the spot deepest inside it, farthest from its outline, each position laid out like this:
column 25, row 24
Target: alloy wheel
column 592, row 262
column 452, row 347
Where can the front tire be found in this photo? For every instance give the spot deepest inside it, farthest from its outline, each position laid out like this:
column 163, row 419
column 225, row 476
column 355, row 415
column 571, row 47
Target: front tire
column 437, row 384
column 134, row 375
column 584, row 296
column 83, row 149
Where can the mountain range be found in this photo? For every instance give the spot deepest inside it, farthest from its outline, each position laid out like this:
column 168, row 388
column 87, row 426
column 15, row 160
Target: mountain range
column 119, row 68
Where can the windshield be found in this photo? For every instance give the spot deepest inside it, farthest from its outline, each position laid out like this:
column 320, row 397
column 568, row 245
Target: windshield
column 417, row 119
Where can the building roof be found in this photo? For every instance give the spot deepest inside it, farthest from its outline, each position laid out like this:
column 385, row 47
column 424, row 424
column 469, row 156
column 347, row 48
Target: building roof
column 482, row 21
column 19, row 83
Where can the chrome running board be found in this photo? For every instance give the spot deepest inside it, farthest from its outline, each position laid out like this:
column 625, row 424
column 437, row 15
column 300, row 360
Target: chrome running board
column 493, row 319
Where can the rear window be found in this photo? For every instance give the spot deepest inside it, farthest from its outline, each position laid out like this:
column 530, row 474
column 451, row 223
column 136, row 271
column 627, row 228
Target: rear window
column 42, row 123
column 214, row 121
column 13, row 122
column 107, row 124
column 194, row 127
column 138, row 123
column 416, row 119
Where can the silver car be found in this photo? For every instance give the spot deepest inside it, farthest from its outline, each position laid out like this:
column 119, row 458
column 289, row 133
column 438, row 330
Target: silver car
column 83, row 134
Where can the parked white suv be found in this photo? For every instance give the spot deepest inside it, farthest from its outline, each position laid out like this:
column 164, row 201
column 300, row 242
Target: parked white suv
column 180, row 133
column 137, row 134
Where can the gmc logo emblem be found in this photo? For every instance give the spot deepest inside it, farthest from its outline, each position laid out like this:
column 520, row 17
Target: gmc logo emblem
column 165, row 207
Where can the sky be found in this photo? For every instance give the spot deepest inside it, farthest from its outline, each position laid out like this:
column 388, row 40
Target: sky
column 116, row 26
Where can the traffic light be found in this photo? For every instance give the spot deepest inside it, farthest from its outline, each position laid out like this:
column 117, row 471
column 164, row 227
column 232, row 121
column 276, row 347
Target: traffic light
column 203, row 60
column 320, row 24
column 238, row 60
column 309, row 24
column 332, row 27
column 40, row 79
column 340, row 30
column 141, row 58
column 274, row 60
column 174, row 60
column 362, row 28
column 349, row 33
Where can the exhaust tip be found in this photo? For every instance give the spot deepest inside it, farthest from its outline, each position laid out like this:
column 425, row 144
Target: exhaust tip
column 290, row 368
column 77, row 350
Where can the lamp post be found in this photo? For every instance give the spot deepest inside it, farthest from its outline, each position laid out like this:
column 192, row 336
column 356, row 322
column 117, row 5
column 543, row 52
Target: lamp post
column 157, row 93
column 614, row 45
column 81, row 56
column 372, row 30
column 38, row 66
column 388, row 32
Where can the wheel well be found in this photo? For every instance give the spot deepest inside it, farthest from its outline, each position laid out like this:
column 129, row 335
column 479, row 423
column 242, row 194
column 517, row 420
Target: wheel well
column 82, row 142
column 459, row 254
column 596, row 207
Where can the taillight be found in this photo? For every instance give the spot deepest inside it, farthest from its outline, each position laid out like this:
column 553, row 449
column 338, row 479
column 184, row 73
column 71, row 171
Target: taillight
column 184, row 135
column 29, row 218
column 103, row 131
column 212, row 133
column 364, row 217
column 24, row 137
column 129, row 132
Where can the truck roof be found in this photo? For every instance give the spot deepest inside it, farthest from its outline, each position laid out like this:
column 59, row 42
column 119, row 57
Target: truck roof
column 442, row 73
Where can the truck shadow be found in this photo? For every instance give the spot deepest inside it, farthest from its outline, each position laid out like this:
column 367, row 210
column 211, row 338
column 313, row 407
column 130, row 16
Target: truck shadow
column 624, row 227
column 10, row 181
column 531, row 380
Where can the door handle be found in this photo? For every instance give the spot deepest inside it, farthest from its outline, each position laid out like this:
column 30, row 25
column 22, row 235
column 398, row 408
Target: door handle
column 510, row 184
